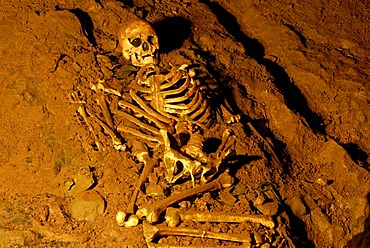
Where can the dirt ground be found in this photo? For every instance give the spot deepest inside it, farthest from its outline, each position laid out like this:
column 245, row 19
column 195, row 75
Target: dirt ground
column 297, row 71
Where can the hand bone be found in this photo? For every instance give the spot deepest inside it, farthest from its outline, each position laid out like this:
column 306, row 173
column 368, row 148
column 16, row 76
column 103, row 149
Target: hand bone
column 175, row 216
column 151, row 232
column 153, row 211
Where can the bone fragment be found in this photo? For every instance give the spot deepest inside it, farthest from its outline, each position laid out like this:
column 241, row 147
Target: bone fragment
column 175, row 216
column 153, row 211
column 151, row 232
column 148, row 167
column 104, row 107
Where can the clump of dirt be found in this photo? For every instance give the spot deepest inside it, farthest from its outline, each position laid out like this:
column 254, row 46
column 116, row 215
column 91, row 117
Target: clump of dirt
column 296, row 72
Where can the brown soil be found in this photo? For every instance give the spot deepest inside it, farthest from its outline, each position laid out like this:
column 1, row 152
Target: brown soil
column 297, row 70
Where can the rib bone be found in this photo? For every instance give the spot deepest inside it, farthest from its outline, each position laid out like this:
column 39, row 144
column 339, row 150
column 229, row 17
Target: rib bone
column 174, row 216
column 151, row 232
column 153, row 211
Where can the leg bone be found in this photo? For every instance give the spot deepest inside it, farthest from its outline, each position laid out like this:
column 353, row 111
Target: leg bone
column 151, row 232
column 174, row 216
column 148, row 167
column 153, row 211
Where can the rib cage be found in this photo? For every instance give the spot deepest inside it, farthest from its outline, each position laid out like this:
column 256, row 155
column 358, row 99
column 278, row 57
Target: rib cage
column 175, row 95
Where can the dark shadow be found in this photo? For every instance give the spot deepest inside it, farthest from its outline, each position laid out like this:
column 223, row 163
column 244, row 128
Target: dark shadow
column 294, row 99
column 172, row 32
column 86, row 24
column 277, row 146
column 210, row 145
column 357, row 155
column 128, row 3
column 362, row 240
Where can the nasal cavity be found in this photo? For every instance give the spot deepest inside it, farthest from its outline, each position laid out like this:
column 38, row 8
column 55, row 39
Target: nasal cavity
column 145, row 46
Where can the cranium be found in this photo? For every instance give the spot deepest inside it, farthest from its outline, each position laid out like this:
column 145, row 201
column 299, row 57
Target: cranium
column 139, row 42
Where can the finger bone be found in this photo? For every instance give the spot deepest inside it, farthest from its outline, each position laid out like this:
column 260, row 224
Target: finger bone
column 175, row 216
column 151, row 232
column 153, row 211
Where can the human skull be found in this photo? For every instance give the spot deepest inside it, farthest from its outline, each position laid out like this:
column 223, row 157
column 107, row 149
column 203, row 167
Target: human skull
column 139, row 42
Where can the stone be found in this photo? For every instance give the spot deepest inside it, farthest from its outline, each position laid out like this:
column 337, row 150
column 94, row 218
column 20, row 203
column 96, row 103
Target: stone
column 83, row 180
column 227, row 198
column 87, row 206
column 297, row 206
column 154, row 190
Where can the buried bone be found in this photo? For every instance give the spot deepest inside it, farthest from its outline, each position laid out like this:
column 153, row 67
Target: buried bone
column 175, row 216
column 152, row 232
column 153, row 211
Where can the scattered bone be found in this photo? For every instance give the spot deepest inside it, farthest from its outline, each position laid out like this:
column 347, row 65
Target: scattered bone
column 175, row 216
column 153, row 211
column 151, row 232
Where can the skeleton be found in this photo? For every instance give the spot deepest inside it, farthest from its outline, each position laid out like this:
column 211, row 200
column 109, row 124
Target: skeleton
column 139, row 42
column 162, row 105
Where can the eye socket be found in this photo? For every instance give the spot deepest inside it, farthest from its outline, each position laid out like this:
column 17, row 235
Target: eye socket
column 135, row 42
column 151, row 40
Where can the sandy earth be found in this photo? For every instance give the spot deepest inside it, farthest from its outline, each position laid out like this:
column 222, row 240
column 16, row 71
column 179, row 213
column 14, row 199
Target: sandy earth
column 296, row 70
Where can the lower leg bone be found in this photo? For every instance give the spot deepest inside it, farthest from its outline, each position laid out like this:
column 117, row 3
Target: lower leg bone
column 148, row 167
column 152, row 212
column 151, row 232
column 175, row 216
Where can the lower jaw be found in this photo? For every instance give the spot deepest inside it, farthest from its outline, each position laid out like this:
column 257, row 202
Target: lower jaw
column 145, row 61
